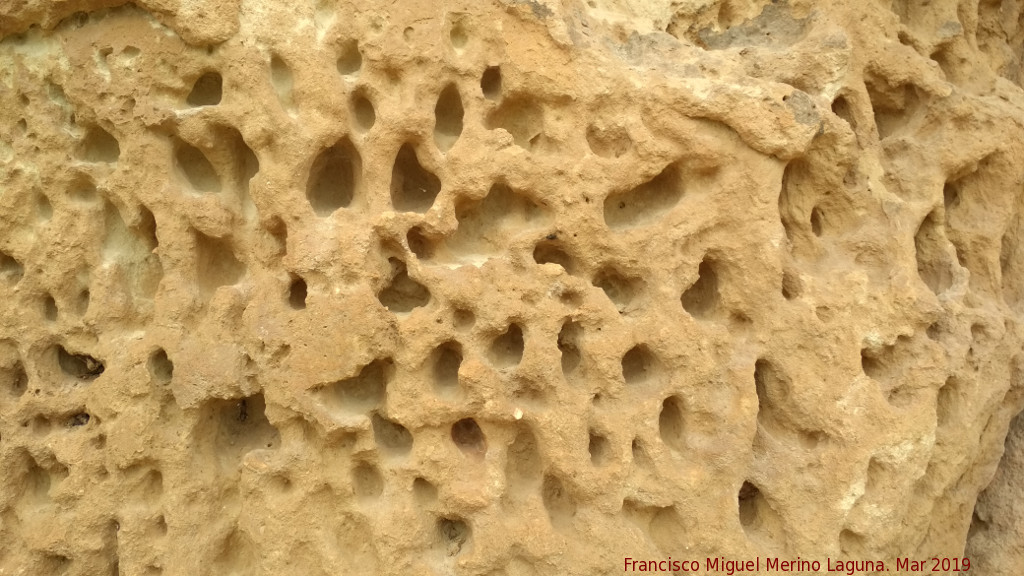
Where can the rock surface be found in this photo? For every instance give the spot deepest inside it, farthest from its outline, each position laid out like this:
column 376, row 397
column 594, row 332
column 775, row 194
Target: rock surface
column 514, row 287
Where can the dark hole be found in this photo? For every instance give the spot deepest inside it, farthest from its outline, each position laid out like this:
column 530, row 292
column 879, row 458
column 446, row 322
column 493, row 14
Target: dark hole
column 80, row 419
column 161, row 366
column 206, row 91
column 490, row 83
column 297, row 294
column 468, row 436
column 81, row 366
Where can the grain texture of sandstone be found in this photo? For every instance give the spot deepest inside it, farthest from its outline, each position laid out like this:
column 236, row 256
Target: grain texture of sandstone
column 508, row 287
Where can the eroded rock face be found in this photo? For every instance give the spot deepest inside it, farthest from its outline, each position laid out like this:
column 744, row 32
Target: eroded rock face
column 508, row 287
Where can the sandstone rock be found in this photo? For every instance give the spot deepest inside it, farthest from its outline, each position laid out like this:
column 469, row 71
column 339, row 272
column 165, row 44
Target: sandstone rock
column 510, row 287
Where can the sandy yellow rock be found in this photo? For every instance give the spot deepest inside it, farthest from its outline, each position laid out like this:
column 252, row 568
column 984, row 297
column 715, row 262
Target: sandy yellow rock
column 508, row 288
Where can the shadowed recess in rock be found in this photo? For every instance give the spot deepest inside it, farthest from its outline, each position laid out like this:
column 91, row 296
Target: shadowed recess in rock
column 520, row 116
column 283, row 81
column 448, row 115
column 672, row 423
column 402, row 294
column 206, row 91
column 350, row 60
column 447, row 358
column 215, row 263
column 98, row 145
column 507, row 348
column 608, row 142
column 599, row 448
column 490, row 83
column 640, row 366
column 10, row 268
column 552, row 252
column 78, row 366
column 485, row 225
column 455, row 535
column 934, row 255
column 413, row 188
column 569, row 338
column 160, row 366
column 333, row 178
column 363, row 114
column 391, row 436
column 360, row 393
column 469, row 438
column 701, row 299
column 622, row 290
column 645, row 203
column 195, row 168
column 241, row 427
column 558, row 502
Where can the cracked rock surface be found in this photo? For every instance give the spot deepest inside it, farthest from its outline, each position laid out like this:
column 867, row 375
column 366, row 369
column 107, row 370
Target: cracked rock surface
column 508, row 287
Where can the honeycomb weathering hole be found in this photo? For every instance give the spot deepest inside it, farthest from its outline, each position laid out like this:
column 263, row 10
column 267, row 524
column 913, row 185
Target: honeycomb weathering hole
column 447, row 360
column 469, row 438
column 490, row 83
column 553, row 253
column 608, row 142
column 507, row 348
column 425, row 492
column 455, row 535
column 240, row 426
column 350, row 60
column 560, row 504
column 448, row 115
column 13, row 379
column 367, row 482
column 934, row 258
column 160, row 366
column 216, row 263
column 50, row 311
column 639, row 365
column 98, row 145
column 78, row 366
column 363, row 114
column 458, row 37
column 11, row 268
column 701, row 299
column 483, row 223
column 283, row 81
column 419, row 244
column 196, row 168
column 206, row 91
column 297, row 292
column 569, row 345
column 413, row 188
column 599, row 448
column 749, row 501
column 620, row 289
column 645, row 203
column 773, row 388
column 359, row 393
column 671, row 423
column 333, row 178
column 521, row 117
column 403, row 294
column 391, row 436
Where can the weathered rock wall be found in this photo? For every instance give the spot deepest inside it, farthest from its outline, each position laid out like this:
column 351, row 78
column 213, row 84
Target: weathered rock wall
column 509, row 287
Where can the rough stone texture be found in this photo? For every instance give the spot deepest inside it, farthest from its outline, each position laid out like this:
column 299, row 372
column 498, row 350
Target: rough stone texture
column 510, row 287
column 997, row 529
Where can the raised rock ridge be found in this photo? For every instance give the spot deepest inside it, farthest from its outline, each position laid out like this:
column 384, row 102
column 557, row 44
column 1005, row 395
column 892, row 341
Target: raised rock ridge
column 513, row 287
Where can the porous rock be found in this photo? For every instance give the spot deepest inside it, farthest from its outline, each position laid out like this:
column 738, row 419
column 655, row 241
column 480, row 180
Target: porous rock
column 508, row 287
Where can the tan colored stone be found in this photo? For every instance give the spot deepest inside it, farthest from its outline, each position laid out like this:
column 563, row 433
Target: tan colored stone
column 507, row 288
